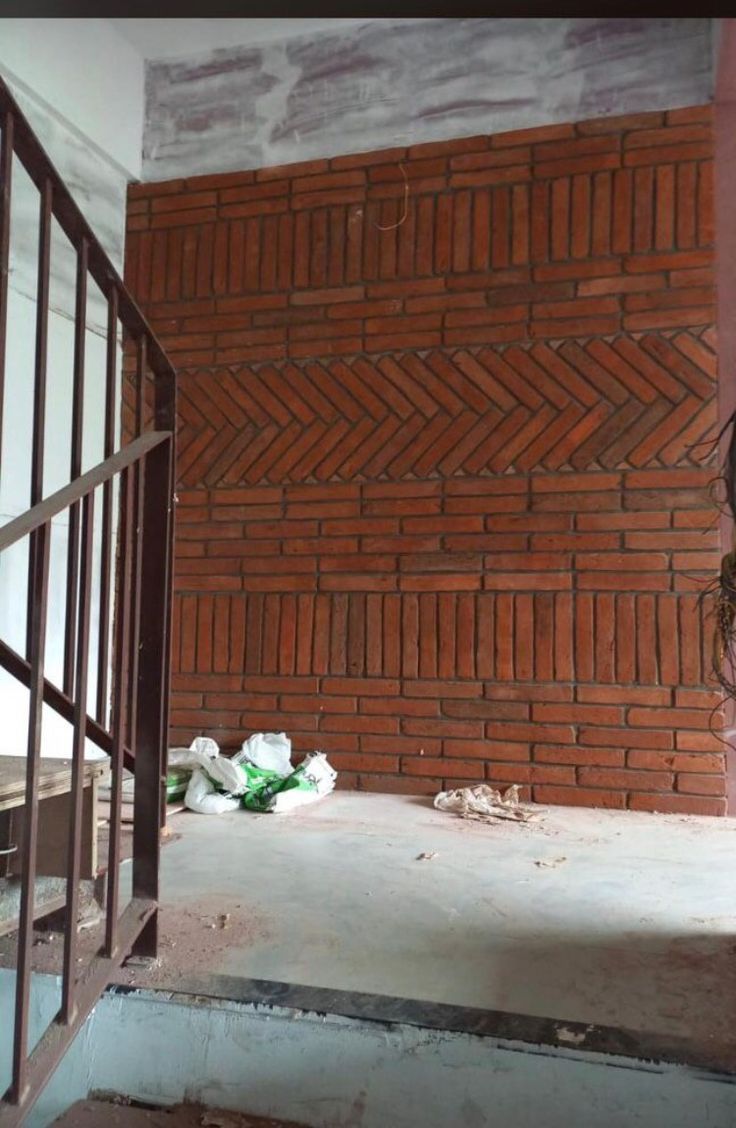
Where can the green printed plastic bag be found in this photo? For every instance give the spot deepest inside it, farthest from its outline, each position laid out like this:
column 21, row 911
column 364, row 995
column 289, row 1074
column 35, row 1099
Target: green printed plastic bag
column 262, row 784
column 177, row 780
column 311, row 780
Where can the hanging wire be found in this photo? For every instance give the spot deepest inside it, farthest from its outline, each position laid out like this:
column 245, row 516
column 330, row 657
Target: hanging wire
column 723, row 588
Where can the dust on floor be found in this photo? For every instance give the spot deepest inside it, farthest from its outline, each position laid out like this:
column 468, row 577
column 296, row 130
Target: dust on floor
column 91, row 1114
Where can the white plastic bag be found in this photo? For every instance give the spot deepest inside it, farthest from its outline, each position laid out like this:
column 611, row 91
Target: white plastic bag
column 202, row 749
column 270, row 751
column 202, row 797
column 210, row 772
column 316, row 778
column 227, row 775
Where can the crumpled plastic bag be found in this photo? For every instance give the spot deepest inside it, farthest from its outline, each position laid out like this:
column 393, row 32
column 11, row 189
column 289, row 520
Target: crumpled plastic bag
column 216, row 782
column 202, row 748
column 203, row 797
column 313, row 779
column 260, row 776
column 484, row 803
column 270, row 751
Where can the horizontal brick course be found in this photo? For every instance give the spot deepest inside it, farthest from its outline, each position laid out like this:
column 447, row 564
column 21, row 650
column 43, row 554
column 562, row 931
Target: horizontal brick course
column 442, row 510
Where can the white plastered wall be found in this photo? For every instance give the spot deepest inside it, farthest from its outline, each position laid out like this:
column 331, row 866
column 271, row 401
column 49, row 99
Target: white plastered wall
column 81, row 86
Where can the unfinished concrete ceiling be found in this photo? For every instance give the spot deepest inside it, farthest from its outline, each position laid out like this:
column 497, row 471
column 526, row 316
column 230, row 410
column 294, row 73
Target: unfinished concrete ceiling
column 172, row 38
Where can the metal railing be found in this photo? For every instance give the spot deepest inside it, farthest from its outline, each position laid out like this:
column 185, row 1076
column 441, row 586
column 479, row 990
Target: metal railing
column 129, row 720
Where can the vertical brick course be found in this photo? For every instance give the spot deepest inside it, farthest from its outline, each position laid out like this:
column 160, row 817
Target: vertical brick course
column 442, row 508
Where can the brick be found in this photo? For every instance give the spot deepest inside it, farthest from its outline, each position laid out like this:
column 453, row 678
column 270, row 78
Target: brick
column 572, row 166
column 300, row 168
column 579, row 797
column 624, row 779
column 242, row 193
column 699, row 741
column 694, row 784
column 699, row 762
column 504, row 174
column 620, row 123
column 486, row 749
column 161, row 188
column 578, row 714
column 400, row 786
column 674, row 260
column 627, row 738
column 690, row 114
column 338, row 179
column 658, row 154
column 574, row 754
column 533, row 136
column 494, row 158
column 622, row 284
column 677, row 804
column 363, row 160
column 621, row 561
column 624, row 695
column 575, row 147
column 527, row 732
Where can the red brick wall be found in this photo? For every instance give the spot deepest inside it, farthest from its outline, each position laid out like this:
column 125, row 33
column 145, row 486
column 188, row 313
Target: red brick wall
column 440, row 513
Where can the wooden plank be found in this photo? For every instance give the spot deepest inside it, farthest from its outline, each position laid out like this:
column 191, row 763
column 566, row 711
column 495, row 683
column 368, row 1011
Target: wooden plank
column 55, row 778
column 53, row 834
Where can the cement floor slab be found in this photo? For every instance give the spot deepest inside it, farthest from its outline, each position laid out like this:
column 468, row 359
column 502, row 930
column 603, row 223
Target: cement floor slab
column 607, row 917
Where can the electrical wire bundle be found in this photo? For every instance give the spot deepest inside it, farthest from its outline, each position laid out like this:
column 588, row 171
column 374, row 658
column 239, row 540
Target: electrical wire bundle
column 724, row 588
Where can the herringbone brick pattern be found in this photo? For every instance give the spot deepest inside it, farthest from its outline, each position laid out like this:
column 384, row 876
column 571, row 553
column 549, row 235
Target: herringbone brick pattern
column 444, row 476
column 574, row 404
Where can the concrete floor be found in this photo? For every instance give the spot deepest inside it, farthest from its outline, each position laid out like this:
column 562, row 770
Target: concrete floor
column 622, row 919
column 91, row 1114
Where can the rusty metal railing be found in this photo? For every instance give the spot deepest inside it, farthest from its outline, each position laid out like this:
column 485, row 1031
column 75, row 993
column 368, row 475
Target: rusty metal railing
column 129, row 720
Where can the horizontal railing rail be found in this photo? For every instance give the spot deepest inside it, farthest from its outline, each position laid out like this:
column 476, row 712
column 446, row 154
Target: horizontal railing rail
column 56, row 503
column 57, row 700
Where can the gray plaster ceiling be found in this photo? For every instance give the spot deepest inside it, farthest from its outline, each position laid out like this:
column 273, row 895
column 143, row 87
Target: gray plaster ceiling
column 178, row 38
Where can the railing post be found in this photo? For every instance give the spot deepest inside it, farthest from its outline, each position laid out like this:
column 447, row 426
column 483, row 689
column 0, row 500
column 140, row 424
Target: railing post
column 6, row 171
column 165, row 420
column 80, row 730
column 152, row 691
column 37, row 622
column 111, row 390
column 119, row 707
column 75, row 468
column 39, row 383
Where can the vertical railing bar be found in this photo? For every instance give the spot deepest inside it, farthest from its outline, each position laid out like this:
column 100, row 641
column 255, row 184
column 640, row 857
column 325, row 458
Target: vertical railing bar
column 38, row 613
column 138, row 488
column 6, row 178
column 165, row 420
column 106, row 553
column 75, row 469
column 120, row 688
column 151, row 687
column 138, row 479
column 39, row 384
column 140, row 384
column 74, row 848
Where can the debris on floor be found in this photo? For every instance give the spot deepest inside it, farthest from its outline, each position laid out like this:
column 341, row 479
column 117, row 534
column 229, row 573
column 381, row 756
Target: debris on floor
column 111, row 1109
column 484, row 803
column 426, row 856
column 259, row 777
column 549, row 863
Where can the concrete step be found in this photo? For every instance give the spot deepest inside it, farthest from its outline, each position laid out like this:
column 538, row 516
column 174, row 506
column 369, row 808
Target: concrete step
column 112, row 1114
